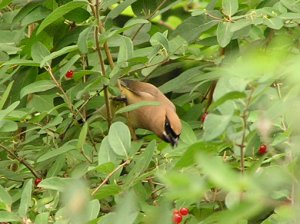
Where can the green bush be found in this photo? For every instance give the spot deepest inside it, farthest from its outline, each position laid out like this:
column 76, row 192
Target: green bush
column 230, row 67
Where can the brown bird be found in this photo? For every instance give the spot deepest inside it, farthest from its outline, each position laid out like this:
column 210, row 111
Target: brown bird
column 161, row 119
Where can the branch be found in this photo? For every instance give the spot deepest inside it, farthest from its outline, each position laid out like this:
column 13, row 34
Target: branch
column 244, row 118
column 58, row 85
column 95, row 10
column 110, row 175
column 210, row 94
column 22, row 161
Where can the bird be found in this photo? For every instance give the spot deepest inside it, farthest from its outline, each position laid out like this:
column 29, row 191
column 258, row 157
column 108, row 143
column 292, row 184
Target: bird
column 162, row 119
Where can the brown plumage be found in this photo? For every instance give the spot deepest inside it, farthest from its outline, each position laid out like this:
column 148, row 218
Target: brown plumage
column 162, row 119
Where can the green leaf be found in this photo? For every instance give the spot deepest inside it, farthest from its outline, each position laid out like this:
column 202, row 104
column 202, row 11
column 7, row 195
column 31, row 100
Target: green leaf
column 240, row 214
column 187, row 135
column 160, row 39
column 215, row 125
column 10, row 108
column 22, row 62
column 42, row 218
column 24, row 11
column 9, row 217
column 56, row 152
column 127, row 209
column 130, row 24
column 126, row 50
column 191, row 28
column 25, row 199
column 82, row 135
column 8, row 126
column 57, row 166
column 9, row 48
column 11, row 175
column 120, row 8
column 83, row 39
column 183, row 79
column 292, row 5
column 56, row 183
column 107, row 190
column 239, row 24
column 119, row 138
column 39, row 51
column 228, row 96
column 105, row 153
column 219, row 172
column 145, row 7
column 77, row 15
column 189, row 158
column 290, row 15
column 224, row 33
column 38, row 86
column 141, row 164
column 42, row 103
column 55, row 54
column 105, row 168
column 4, row 96
column 5, row 198
column 35, row 15
column 93, row 209
column 138, row 105
column 275, row 23
column 230, row 7
column 59, row 12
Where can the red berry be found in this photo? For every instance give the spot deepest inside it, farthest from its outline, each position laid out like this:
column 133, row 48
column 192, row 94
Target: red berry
column 262, row 149
column 203, row 117
column 184, row 211
column 37, row 181
column 69, row 74
column 177, row 218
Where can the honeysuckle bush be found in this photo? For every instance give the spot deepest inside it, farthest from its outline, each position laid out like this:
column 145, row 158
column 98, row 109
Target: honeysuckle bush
column 237, row 61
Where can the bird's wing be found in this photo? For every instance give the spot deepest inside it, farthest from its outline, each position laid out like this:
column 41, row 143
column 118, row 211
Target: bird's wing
column 140, row 88
column 146, row 91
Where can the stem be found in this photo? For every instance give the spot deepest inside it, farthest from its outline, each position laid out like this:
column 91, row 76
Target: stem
column 277, row 85
column 98, row 29
column 70, row 105
column 24, row 162
column 58, row 85
column 110, row 175
column 210, row 94
column 242, row 145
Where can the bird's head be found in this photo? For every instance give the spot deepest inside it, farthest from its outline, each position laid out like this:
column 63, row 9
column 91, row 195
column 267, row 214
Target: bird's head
column 172, row 128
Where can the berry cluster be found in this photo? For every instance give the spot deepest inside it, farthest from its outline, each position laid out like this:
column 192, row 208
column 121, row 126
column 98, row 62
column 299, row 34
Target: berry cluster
column 177, row 214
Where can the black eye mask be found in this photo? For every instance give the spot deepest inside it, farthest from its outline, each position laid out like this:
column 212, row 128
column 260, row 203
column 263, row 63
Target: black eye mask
column 171, row 137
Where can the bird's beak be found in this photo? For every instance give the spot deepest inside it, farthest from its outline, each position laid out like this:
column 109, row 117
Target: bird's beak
column 171, row 139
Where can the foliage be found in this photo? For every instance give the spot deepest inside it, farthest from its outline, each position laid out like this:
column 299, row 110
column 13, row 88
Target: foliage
column 236, row 60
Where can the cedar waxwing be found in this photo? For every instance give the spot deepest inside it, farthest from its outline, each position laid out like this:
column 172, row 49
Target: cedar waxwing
column 161, row 119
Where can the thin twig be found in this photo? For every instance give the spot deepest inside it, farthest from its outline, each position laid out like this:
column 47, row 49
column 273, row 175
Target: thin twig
column 99, row 26
column 110, row 175
column 24, row 162
column 210, row 94
column 244, row 118
column 58, row 85
column 280, row 97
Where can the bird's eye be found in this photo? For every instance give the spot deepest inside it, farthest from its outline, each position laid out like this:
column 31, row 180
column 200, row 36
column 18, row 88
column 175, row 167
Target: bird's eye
column 167, row 124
